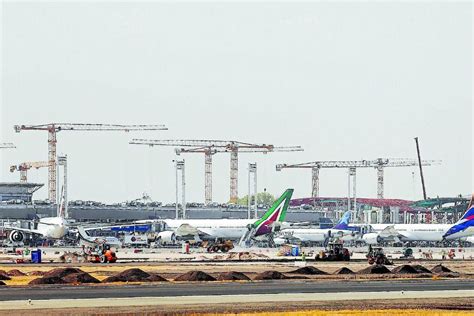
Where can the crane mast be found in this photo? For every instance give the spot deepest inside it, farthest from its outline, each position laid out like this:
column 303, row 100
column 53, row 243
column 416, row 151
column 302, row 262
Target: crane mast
column 54, row 128
column 379, row 164
column 211, row 147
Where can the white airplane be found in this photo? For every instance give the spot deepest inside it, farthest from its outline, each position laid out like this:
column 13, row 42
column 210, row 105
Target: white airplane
column 341, row 230
column 46, row 227
column 422, row 232
column 233, row 229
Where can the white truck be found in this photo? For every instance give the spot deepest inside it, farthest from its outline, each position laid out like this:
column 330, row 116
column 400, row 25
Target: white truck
column 135, row 241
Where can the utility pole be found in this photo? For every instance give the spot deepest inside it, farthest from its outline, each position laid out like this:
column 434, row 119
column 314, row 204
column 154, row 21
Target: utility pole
column 421, row 168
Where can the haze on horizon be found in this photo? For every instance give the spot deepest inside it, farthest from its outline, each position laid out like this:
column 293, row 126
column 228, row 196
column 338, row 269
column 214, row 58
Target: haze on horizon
column 346, row 81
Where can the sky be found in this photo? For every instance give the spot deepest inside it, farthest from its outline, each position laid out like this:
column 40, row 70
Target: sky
column 344, row 80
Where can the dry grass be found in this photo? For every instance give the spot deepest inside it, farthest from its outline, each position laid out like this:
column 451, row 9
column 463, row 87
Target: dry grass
column 388, row 312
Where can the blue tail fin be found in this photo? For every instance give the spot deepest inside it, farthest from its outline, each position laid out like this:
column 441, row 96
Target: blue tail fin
column 344, row 221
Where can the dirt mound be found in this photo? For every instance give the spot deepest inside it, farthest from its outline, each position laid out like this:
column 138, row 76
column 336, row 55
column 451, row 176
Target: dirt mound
column 344, row 270
column 242, row 256
column 79, row 278
column 308, row 270
column 232, row 276
column 36, row 273
column 48, row 280
column 154, row 277
column 375, row 269
column 62, row 272
column 195, row 276
column 15, row 272
column 441, row 269
column 130, row 275
column 405, row 269
column 420, row 268
column 270, row 275
column 4, row 276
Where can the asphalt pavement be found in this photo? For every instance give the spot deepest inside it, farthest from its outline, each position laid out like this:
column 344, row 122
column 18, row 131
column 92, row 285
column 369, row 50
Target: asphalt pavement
column 50, row 292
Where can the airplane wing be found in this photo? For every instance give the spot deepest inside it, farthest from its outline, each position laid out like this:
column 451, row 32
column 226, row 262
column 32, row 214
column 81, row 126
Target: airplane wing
column 25, row 230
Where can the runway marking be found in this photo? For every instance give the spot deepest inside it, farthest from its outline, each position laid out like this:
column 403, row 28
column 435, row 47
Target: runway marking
column 228, row 299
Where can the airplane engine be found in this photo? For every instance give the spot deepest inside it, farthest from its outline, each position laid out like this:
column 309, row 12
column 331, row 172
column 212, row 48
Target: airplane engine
column 16, row 236
column 372, row 238
column 166, row 237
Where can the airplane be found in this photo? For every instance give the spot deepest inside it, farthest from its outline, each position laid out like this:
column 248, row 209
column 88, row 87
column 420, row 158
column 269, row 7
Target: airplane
column 232, row 229
column 341, row 230
column 422, row 232
column 46, row 227
column 464, row 227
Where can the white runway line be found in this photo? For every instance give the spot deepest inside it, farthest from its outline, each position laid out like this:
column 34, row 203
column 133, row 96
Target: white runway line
column 228, row 299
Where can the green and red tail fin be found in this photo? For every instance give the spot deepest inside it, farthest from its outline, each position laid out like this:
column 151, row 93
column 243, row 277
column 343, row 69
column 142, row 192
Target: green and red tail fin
column 276, row 213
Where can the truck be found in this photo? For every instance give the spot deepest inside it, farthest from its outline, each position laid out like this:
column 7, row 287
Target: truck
column 135, row 241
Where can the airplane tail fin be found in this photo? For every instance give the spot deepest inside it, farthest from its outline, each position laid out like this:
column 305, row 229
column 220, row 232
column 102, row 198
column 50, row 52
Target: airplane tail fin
column 275, row 214
column 467, row 220
column 344, row 221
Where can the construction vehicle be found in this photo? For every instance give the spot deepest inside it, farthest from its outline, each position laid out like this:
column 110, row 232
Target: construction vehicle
column 222, row 246
column 376, row 255
column 100, row 254
column 334, row 251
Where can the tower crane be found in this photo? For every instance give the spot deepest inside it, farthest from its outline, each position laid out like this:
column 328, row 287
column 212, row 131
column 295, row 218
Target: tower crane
column 379, row 164
column 54, row 128
column 25, row 166
column 211, row 147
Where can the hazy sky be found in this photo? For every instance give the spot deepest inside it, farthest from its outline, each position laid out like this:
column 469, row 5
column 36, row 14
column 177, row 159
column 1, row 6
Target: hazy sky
column 344, row 80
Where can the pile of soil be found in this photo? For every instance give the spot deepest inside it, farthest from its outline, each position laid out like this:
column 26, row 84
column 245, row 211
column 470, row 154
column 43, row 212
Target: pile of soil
column 270, row 275
column 441, row 269
column 421, row 269
column 232, row 276
column 405, row 269
column 130, row 275
column 4, row 276
column 48, row 280
column 308, row 270
column 375, row 269
column 344, row 270
column 65, row 276
column 15, row 272
column 154, row 277
column 79, row 278
column 37, row 273
column 243, row 256
column 62, row 272
column 195, row 276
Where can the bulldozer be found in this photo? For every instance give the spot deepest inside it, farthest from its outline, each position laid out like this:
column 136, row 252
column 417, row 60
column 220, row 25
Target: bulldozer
column 222, row 246
column 334, row 251
column 376, row 255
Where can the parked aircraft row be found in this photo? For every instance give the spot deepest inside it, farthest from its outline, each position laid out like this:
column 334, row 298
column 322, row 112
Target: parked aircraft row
column 272, row 224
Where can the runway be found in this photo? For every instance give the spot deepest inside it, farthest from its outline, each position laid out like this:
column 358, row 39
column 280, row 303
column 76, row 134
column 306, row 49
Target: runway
column 230, row 288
